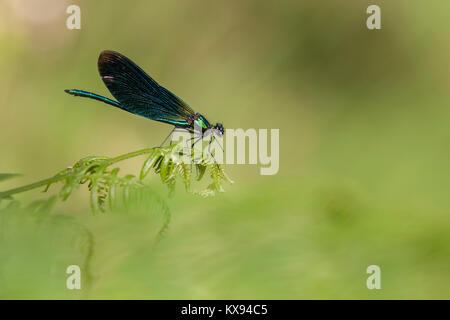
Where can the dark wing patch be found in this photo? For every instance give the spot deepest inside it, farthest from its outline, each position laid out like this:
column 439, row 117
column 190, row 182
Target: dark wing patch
column 138, row 93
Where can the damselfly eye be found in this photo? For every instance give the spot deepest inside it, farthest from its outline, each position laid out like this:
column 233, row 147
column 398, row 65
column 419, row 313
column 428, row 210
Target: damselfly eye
column 219, row 128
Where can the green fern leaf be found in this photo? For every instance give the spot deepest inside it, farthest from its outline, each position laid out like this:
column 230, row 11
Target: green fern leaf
column 148, row 164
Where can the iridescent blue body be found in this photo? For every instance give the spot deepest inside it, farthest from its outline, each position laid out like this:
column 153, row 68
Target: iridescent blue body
column 87, row 94
column 138, row 93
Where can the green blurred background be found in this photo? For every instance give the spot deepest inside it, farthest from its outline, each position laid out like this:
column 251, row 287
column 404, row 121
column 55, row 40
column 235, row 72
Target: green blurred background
column 363, row 118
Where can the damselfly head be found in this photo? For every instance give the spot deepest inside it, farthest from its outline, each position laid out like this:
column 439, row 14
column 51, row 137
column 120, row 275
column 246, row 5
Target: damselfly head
column 219, row 127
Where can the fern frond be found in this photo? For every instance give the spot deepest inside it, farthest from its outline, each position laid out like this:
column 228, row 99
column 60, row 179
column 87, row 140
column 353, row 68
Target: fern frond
column 104, row 184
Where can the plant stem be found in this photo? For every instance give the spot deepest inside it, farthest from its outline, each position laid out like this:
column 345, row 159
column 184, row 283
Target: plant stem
column 32, row 185
column 60, row 177
column 131, row 155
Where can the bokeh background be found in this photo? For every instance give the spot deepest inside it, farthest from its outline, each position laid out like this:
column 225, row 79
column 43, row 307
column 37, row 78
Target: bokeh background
column 364, row 149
